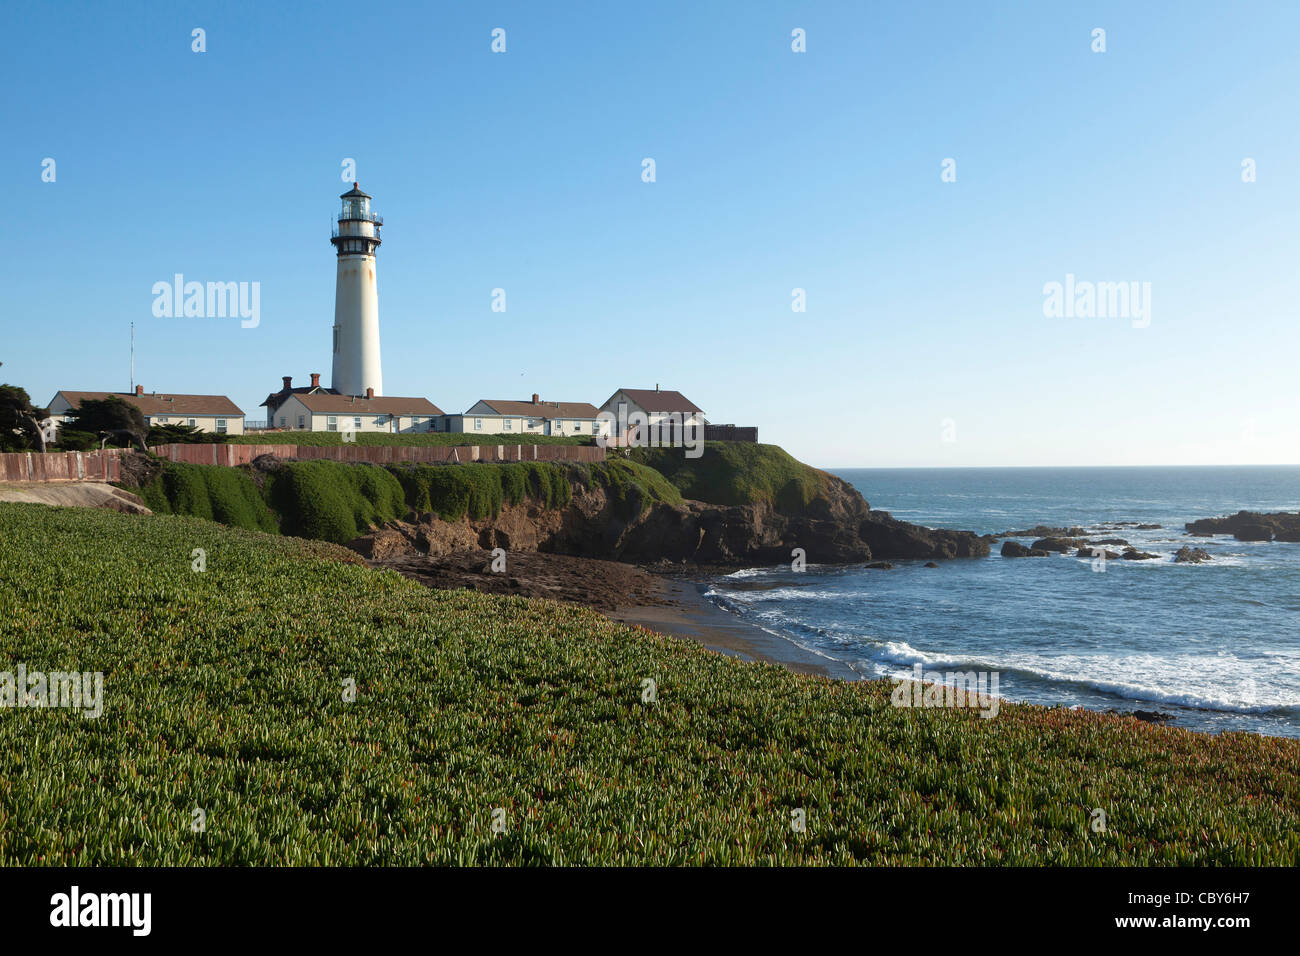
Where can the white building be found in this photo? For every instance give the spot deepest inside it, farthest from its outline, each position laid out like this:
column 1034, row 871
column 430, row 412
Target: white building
column 536, row 417
column 317, row 408
column 665, row 411
column 357, row 369
column 326, row 412
column 209, row 413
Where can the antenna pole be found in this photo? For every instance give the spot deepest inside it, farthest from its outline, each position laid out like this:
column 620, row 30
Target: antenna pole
column 132, row 388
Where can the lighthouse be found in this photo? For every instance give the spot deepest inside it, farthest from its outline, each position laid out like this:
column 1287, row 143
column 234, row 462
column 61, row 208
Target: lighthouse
column 356, row 298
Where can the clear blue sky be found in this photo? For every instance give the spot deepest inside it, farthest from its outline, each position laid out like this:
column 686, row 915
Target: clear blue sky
column 775, row 170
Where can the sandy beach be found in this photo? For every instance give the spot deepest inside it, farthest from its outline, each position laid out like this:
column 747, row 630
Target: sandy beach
column 675, row 606
column 685, row 612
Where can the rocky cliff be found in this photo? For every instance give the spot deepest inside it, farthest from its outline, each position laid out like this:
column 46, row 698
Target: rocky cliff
column 836, row 527
column 1251, row 526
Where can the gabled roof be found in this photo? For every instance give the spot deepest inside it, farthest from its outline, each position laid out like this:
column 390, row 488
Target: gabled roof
column 158, row 403
column 547, row 410
column 325, row 403
column 656, row 400
column 276, row 399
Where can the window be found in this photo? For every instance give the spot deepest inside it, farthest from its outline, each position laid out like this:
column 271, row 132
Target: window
column 577, row 426
column 302, row 421
column 161, row 419
column 281, row 421
column 356, row 423
column 191, row 423
column 379, row 419
column 331, row 423
column 478, row 424
column 221, row 426
column 505, row 424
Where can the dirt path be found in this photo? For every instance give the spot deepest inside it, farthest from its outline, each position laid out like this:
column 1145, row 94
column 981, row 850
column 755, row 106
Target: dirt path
column 73, row 494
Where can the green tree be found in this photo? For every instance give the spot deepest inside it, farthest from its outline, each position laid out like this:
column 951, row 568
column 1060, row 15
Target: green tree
column 118, row 422
column 20, row 420
column 181, row 435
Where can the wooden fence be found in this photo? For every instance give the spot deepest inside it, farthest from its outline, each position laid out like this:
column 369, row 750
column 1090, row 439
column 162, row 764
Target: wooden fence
column 106, row 466
column 231, row 455
column 61, row 466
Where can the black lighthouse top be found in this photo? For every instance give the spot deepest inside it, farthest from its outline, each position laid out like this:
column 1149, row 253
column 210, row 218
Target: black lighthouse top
column 356, row 240
column 356, row 207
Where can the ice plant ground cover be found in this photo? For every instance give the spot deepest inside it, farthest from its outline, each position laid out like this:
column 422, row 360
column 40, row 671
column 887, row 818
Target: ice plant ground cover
column 224, row 691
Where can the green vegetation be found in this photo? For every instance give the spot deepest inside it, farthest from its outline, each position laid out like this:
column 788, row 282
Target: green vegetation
column 227, row 495
column 178, row 434
column 324, row 439
column 633, row 487
column 337, row 501
column 330, row 500
column 479, row 489
column 72, row 440
column 119, row 422
column 20, row 420
column 738, row 473
column 224, row 690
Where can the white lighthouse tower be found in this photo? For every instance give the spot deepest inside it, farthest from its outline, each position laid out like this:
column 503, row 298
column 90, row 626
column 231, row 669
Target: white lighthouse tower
column 356, row 298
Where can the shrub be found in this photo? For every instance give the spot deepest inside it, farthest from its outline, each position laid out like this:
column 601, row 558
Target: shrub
column 332, row 501
column 72, row 440
column 227, row 495
column 738, row 473
column 337, row 501
column 632, row 486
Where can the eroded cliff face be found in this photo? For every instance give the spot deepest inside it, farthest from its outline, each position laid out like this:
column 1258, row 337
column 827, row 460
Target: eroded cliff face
column 837, row 528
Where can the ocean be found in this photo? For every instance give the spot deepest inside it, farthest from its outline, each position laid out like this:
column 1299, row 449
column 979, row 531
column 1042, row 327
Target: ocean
column 1214, row 645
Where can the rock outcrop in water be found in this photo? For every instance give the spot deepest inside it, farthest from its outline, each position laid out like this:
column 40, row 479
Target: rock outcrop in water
column 890, row 538
column 1089, row 552
column 1133, row 554
column 1058, row 544
column 1251, row 526
column 1014, row 549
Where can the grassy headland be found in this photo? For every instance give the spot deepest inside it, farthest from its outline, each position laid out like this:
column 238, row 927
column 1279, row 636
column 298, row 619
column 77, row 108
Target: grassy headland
column 337, row 501
column 738, row 473
column 224, row 691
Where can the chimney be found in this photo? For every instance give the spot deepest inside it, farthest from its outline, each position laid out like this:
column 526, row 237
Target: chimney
column 315, row 379
column 656, row 386
column 288, row 382
column 536, row 400
column 139, row 389
column 370, row 392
